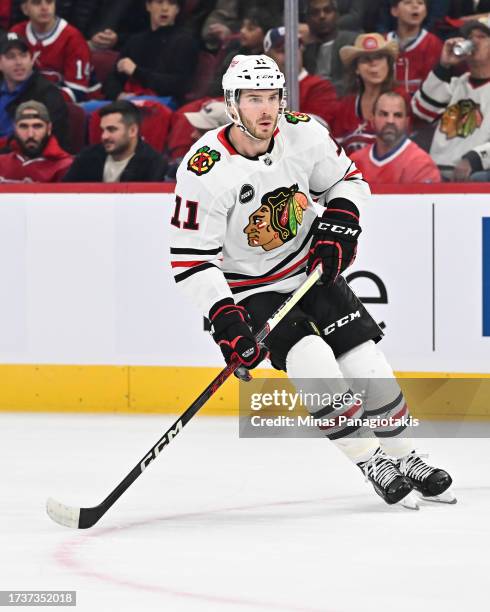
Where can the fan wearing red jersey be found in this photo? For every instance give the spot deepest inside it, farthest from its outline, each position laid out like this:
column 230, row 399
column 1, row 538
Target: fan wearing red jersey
column 60, row 51
column 394, row 158
column 419, row 49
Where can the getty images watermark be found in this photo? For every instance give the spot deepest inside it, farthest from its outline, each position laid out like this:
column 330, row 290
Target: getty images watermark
column 276, row 407
column 341, row 408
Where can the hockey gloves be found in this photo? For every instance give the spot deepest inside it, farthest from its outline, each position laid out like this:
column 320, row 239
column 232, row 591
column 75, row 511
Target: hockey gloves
column 233, row 335
column 334, row 243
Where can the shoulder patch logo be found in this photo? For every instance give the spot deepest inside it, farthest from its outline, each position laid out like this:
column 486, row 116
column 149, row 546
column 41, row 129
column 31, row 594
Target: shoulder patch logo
column 203, row 160
column 247, row 193
column 294, row 117
column 277, row 219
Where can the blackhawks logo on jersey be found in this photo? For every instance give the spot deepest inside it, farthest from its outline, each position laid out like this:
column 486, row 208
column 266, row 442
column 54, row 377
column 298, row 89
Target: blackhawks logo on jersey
column 461, row 119
column 294, row 117
column 203, row 160
column 277, row 219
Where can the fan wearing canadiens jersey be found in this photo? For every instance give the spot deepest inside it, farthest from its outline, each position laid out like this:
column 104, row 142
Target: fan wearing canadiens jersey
column 244, row 233
column 60, row 51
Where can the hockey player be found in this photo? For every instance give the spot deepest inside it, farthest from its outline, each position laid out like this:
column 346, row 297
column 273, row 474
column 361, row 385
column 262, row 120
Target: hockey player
column 60, row 51
column 244, row 234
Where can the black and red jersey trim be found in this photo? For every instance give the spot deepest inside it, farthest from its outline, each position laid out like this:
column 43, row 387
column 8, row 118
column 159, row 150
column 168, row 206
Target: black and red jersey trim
column 182, row 251
column 236, row 290
column 194, row 270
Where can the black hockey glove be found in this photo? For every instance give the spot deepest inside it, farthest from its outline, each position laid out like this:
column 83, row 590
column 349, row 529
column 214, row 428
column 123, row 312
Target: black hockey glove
column 233, row 335
column 334, row 242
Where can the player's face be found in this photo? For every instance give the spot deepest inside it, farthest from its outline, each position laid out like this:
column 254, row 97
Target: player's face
column 259, row 111
column 390, row 119
column 40, row 12
column 251, row 35
column 32, row 136
column 16, row 65
column 116, row 136
column 481, row 53
column 373, row 68
column 410, row 12
column 162, row 13
column 321, row 17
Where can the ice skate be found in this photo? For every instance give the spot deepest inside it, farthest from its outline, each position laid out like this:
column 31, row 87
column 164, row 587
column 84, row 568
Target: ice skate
column 387, row 480
column 430, row 483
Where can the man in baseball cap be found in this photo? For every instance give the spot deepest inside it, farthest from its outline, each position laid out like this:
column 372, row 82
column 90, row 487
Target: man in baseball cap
column 12, row 41
column 33, row 141
column 20, row 82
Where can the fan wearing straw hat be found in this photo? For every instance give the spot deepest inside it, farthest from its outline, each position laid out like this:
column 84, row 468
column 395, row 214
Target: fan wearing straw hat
column 369, row 65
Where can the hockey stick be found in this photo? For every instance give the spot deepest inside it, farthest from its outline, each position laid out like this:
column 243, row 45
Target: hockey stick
column 82, row 518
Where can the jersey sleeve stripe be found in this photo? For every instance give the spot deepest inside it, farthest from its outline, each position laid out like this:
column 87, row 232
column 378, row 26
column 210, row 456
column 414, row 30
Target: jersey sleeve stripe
column 183, row 251
column 185, row 264
column 423, row 111
column 431, row 101
column 183, row 275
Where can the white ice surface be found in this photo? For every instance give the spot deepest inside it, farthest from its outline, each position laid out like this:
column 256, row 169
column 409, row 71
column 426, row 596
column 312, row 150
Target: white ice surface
column 219, row 523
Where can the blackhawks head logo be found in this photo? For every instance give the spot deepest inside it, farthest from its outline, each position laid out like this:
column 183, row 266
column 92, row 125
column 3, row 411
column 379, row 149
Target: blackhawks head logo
column 461, row 119
column 203, row 160
column 294, row 117
column 277, row 219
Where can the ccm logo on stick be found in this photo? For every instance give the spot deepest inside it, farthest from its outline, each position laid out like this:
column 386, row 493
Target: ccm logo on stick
column 338, row 229
column 153, row 454
column 341, row 322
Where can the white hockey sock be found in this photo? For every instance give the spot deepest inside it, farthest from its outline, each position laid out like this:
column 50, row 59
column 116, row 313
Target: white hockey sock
column 311, row 359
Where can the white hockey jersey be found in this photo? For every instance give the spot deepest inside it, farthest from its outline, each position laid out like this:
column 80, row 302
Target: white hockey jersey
column 462, row 105
column 244, row 225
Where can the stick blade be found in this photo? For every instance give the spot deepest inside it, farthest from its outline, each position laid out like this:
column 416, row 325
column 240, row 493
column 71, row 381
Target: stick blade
column 68, row 516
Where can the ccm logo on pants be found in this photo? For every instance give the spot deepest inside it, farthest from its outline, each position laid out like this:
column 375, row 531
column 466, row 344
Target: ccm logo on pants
column 341, row 322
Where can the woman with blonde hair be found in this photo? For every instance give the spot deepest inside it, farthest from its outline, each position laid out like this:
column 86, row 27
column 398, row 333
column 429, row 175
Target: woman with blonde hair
column 369, row 65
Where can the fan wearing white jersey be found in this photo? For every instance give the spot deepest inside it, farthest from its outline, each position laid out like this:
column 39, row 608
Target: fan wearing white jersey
column 244, row 234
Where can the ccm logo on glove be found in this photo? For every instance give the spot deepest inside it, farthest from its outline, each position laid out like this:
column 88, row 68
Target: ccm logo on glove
column 353, row 230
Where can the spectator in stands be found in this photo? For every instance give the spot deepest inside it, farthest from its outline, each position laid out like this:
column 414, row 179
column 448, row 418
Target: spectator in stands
column 317, row 96
column 369, row 71
column 255, row 24
column 419, row 50
column 121, row 156
column 35, row 153
column 226, row 19
column 61, row 53
column 393, row 157
column 157, row 62
column 20, row 82
column 321, row 56
column 437, row 10
column 459, row 104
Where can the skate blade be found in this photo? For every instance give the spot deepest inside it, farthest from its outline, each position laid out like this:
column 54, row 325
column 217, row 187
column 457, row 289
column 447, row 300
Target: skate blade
column 447, row 497
column 409, row 502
